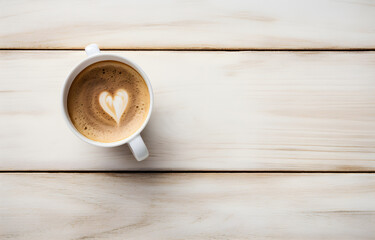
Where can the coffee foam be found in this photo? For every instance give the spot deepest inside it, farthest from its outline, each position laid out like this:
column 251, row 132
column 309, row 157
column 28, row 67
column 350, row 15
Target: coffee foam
column 108, row 101
column 116, row 105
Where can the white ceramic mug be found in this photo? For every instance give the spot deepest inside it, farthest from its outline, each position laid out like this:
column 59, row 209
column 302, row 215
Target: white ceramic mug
column 135, row 141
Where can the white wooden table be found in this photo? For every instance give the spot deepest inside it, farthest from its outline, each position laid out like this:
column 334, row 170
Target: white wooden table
column 263, row 126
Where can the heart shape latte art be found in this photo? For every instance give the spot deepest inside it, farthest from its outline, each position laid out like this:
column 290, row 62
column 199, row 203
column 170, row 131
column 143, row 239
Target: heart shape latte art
column 114, row 106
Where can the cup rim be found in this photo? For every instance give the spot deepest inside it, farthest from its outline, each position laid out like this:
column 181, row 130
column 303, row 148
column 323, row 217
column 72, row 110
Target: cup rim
column 78, row 69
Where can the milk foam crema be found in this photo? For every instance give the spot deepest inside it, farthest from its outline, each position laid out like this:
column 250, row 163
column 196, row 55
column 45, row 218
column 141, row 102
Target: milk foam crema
column 114, row 105
column 108, row 101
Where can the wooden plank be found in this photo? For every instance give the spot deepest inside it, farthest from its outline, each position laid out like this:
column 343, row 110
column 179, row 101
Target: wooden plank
column 264, row 111
column 187, row 206
column 167, row 24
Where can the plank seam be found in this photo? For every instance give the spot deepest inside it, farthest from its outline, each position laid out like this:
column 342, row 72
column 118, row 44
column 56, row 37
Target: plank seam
column 180, row 171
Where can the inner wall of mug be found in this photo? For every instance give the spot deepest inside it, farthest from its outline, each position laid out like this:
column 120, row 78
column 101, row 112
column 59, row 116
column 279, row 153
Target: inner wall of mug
column 89, row 61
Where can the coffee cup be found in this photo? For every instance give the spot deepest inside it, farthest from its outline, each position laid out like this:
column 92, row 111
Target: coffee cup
column 105, row 102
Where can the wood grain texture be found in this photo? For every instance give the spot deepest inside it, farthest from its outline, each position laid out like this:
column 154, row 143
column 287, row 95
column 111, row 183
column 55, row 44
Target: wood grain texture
column 302, row 111
column 167, row 24
column 187, row 206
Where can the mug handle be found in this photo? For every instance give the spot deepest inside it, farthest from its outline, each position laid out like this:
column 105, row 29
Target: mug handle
column 138, row 148
column 92, row 50
column 137, row 145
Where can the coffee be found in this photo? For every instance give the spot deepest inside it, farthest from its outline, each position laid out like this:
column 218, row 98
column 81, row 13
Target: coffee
column 108, row 101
